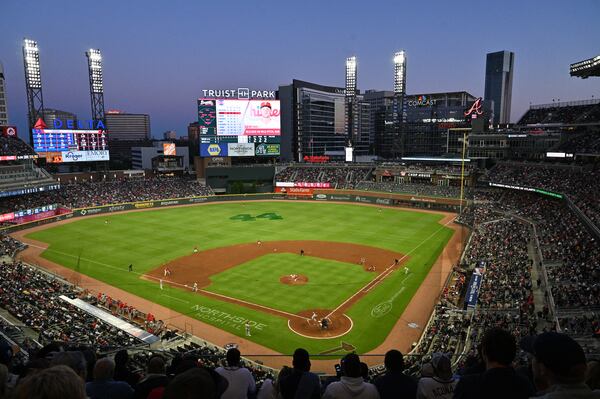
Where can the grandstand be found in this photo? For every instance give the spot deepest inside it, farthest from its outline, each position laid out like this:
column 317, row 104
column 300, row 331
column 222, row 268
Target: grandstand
column 572, row 113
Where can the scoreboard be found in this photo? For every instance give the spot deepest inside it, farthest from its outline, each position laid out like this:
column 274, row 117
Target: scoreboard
column 62, row 145
column 228, row 121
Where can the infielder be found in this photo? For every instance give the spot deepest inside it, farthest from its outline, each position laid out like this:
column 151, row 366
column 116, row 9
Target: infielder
column 247, row 326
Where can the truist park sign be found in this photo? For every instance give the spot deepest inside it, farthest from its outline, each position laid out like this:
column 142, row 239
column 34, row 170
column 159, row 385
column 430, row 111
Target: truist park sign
column 241, row 93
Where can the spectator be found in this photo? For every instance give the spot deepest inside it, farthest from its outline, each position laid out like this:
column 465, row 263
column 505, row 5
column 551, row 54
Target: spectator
column 73, row 359
column 559, row 367
column 191, row 384
column 394, row 384
column 103, row 386
column 58, row 382
column 500, row 380
column 592, row 376
column 154, row 381
column 301, row 383
column 442, row 384
column 240, row 379
column 270, row 390
column 122, row 372
column 352, row 383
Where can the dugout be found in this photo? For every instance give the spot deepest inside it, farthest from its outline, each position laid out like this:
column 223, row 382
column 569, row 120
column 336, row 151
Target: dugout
column 240, row 179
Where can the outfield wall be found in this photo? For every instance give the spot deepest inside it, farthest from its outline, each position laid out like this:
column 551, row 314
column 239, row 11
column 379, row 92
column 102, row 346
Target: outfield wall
column 354, row 196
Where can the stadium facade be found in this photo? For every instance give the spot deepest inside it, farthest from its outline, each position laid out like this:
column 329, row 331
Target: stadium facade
column 498, row 84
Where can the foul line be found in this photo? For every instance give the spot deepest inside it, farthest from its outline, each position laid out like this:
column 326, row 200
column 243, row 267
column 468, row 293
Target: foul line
column 387, row 271
column 252, row 304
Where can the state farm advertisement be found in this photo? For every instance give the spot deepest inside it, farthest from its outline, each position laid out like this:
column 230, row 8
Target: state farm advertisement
column 294, row 190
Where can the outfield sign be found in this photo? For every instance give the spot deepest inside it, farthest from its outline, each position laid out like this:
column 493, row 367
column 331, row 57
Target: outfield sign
column 473, row 290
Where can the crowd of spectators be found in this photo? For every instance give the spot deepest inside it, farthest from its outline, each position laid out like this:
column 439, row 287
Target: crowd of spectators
column 582, row 143
column 580, row 184
column 587, row 113
column 339, row 176
column 33, row 297
column 413, row 188
column 14, row 146
column 570, row 253
column 88, row 193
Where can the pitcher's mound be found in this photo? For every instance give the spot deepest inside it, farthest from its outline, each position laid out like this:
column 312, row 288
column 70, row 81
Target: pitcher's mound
column 294, row 279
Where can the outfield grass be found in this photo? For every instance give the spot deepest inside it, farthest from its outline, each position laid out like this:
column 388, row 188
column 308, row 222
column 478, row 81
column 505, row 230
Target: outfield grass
column 151, row 238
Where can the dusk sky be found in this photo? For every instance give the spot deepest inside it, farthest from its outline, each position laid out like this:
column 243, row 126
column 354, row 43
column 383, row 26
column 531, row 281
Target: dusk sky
column 159, row 55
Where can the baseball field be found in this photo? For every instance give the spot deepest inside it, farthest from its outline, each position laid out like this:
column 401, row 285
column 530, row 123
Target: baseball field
column 278, row 267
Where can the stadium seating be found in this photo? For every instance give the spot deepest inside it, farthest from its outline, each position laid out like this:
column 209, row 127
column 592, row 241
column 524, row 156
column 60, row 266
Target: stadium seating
column 562, row 113
column 10, row 146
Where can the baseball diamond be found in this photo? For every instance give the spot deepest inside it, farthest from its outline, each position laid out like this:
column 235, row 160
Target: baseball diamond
column 297, row 273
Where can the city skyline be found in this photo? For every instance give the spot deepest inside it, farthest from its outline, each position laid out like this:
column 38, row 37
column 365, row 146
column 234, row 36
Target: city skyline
column 159, row 63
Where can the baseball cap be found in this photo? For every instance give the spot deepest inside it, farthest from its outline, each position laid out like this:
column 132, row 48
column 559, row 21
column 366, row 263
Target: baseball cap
column 557, row 351
column 442, row 367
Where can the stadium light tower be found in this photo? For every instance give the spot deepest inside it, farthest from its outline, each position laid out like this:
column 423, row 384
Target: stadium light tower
column 33, row 82
column 96, row 84
column 351, row 114
column 399, row 85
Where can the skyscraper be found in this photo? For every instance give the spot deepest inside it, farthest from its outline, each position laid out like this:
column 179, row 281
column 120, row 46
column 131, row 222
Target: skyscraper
column 498, row 83
column 3, row 105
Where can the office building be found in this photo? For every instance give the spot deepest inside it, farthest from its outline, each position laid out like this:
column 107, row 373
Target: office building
column 130, row 127
column 61, row 117
column 498, row 84
column 3, row 103
column 313, row 121
column 170, row 135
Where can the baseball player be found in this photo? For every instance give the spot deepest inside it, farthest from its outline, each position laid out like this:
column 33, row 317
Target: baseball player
column 247, row 327
column 301, row 252
column 161, row 283
column 131, row 267
column 195, row 287
column 406, row 270
column 314, row 317
column 196, row 250
column 165, row 272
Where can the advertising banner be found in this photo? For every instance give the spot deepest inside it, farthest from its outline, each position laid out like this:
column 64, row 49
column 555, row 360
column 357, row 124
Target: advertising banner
column 240, row 149
column 214, row 150
column 85, row 156
column 169, row 149
column 303, row 184
column 473, row 290
column 264, row 149
column 294, row 190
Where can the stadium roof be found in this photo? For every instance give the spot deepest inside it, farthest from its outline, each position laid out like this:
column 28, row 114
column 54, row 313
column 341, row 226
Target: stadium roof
column 586, row 68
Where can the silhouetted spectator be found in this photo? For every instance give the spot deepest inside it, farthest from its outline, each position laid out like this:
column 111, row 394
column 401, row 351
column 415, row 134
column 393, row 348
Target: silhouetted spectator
column 394, row 384
column 301, row 383
column 154, row 380
column 352, row 383
column 59, row 382
column 240, row 379
column 104, row 386
column 499, row 381
column 559, row 367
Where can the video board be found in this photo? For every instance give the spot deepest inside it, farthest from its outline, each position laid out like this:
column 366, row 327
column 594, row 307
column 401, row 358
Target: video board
column 65, row 145
column 234, row 127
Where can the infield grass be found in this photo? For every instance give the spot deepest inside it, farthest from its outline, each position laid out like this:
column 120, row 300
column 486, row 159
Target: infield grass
column 151, row 238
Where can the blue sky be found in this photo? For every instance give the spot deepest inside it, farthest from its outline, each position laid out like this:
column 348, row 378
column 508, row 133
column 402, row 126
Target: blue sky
column 158, row 55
